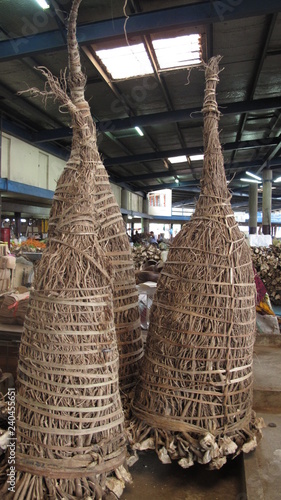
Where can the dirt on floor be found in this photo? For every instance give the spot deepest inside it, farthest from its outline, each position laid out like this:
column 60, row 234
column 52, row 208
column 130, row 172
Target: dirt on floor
column 153, row 480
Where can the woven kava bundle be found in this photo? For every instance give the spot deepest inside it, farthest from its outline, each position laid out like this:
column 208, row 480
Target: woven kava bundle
column 113, row 238
column 193, row 401
column 70, row 423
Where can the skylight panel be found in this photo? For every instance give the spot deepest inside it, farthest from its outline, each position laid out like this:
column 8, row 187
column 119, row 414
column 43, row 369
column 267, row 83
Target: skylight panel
column 177, row 159
column 126, row 62
column 179, row 51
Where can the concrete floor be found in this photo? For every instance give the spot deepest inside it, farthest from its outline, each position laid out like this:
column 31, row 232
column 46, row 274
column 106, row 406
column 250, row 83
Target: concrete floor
column 263, row 466
column 153, row 480
column 267, row 378
column 254, row 476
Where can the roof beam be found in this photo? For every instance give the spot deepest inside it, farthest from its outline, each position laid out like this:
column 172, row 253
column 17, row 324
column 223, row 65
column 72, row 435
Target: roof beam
column 189, row 114
column 186, row 15
column 113, row 87
column 260, row 62
column 59, row 17
column 121, row 146
column 236, row 167
column 156, row 155
column 168, row 185
column 27, row 106
column 275, row 152
column 187, row 184
column 22, row 133
column 153, row 59
column 154, row 62
column 181, row 115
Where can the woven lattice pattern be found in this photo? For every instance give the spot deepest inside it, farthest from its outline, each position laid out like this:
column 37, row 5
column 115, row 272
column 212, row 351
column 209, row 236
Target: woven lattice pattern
column 110, row 226
column 195, row 392
column 71, row 441
column 113, row 237
column 70, row 423
column 70, row 419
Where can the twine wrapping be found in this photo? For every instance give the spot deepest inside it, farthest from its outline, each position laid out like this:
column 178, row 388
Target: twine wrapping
column 70, row 423
column 193, row 401
column 71, row 441
column 110, row 229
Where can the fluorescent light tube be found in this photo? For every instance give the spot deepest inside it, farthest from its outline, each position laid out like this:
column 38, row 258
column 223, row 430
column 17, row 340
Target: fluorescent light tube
column 253, row 175
column 43, row 4
column 250, row 180
column 139, row 131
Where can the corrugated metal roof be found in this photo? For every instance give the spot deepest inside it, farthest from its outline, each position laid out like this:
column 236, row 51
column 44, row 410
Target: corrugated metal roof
column 248, row 37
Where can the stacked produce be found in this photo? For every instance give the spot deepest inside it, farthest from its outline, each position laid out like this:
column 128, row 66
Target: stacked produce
column 194, row 398
column 267, row 262
column 30, row 245
column 143, row 253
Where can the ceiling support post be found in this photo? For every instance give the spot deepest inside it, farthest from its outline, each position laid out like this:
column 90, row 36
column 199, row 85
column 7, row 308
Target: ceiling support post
column 266, row 201
column 253, row 208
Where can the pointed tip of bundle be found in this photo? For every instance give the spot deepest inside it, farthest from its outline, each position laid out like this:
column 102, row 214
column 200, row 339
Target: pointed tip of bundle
column 212, row 71
column 213, row 62
column 213, row 178
column 212, row 66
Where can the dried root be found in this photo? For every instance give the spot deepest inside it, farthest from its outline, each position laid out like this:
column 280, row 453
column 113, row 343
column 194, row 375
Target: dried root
column 71, row 440
column 196, row 382
column 186, row 449
column 32, row 487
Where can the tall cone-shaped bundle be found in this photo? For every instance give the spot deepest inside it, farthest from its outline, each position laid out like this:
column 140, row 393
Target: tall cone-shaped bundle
column 193, row 401
column 111, row 232
column 112, row 235
column 70, row 423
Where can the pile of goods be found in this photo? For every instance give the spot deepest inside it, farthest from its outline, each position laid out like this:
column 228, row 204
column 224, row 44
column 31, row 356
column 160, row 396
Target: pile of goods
column 13, row 306
column 7, row 268
column 149, row 261
column 194, row 399
column 4, row 434
column 27, row 246
column 267, row 262
column 143, row 253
